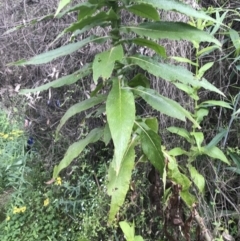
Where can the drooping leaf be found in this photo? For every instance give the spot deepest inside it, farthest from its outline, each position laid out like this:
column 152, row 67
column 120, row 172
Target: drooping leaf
column 163, row 104
column 79, row 107
column 181, row 132
column 174, row 5
column 62, row 51
column 197, row 178
column 61, row 5
column 151, row 146
column 65, row 80
column 152, row 45
column 103, row 63
column 120, row 108
column 144, row 10
column 119, row 182
column 170, row 73
column 75, row 149
column 215, row 153
column 171, row 30
column 215, row 103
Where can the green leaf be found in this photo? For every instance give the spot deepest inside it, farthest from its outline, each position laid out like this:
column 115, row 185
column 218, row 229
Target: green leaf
column 75, row 149
column 170, row 73
column 199, row 137
column 128, row 230
column 92, row 21
column 152, row 45
column 207, row 50
column 120, row 108
column 65, row 80
column 85, row 11
column 197, row 178
column 215, row 103
column 187, row 89
column 139, row 80
column 144, row 10
column 62, row 51
column 181, row 132
column 152, row 123
column 163, row 104
column 61, row 5
column 235, row 39
column 215, row 153
column 151, row 146
column 79, row 107
column 171, row 30
column 216, row 139
column 106, row 135
column 201, row 113
column 203, row 69
column 184, row 60
column 172, row 5
column 177, row 151
column 118, row 185
column 103, row 63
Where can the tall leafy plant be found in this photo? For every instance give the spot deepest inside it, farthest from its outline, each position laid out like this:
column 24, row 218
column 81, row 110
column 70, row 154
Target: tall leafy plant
column 114, row 68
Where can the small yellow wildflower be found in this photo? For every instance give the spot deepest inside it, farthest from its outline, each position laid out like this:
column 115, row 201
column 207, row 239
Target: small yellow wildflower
column 19, row 210
column 46, row 202
column 58, row 181
column 8, row 218
column 5, row 136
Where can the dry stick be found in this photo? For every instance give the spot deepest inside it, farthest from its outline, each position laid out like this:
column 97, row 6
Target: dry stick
column 206, row 233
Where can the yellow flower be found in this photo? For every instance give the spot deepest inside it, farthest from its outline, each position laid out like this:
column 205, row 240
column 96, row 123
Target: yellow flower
column 5, row 136
column 19, row 210
column 8, row 218
column 58, row 181
column 46, row 202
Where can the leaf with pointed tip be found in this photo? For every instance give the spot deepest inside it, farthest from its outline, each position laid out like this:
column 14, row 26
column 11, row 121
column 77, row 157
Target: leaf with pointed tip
column 61, row 5
column 79, row 107
column 199, row 137
column 170, row 73
column 62, row 51
column 65, row 80
column 171, row 30
column 120, row 108
column 181, row 132
column 119, row 182
column 75, row 149
column 215, row 153
column 144, row 10
column 152, row 45
column 217, row 139
column 139, row 80
column 215, row 103
column 173, row 5
column 103, row 63
column 151, row 146
column 163, row 104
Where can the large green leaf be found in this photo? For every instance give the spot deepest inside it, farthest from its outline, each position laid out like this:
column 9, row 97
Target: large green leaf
column 76, row 148
column 62, row 51
column 151, row 146
column 120, row 108
column 119, row 182
column 175, row 5
column 103, row 63
column 79, row 107
column 170, row 73
column 163, row 104
column 215, row 153
column 144, row 10
column 61, row 5
column 65, row 80
column 151, row 44
column 171, row 30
